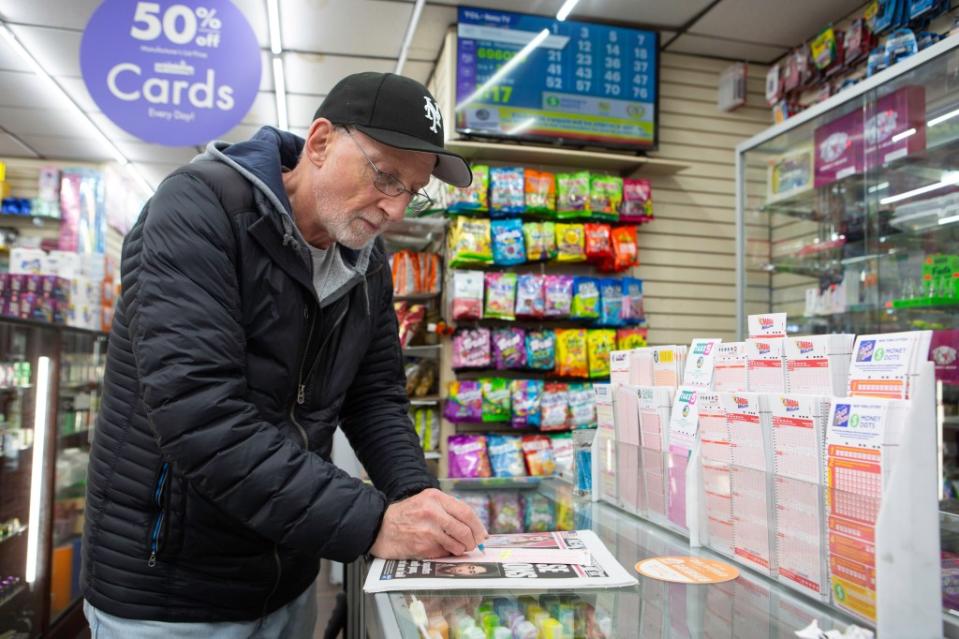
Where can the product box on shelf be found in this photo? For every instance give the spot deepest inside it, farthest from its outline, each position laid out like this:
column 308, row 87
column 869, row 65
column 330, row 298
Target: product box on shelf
column 839, row 149
column 27, row 261
column 896, row 126
column 789, row 174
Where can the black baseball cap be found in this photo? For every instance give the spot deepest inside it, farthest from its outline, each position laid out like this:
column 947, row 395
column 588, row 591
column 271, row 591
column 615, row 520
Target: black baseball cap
column 397, row 111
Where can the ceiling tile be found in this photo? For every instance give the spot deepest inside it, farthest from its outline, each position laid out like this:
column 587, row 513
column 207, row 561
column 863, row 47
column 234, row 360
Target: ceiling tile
column 10, row 61
column 431, row 31
column 54, row 13
column 263, row 110
column 329, row 26
column 255, row 12
column 142, row 152
column 77, row 89
column 300, row 131
column 30, row 121
column 11, row 148
column 301, row 108
column 155, row 172
column 791, row 23
column 702, row 45
column 241, row 132
column 57, row 50
column 26, row 90
column 266, row 75
column 68, row 148
column 419, row 71
column 111, row 130
column 316, row 74
column 664, row 14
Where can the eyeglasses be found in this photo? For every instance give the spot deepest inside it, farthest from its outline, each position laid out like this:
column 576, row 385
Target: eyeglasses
column 390, row 185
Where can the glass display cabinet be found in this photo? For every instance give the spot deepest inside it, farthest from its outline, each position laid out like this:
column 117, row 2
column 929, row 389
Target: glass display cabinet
column 848, row 221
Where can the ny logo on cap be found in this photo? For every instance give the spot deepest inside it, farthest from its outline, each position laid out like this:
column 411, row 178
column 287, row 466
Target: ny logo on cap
column 432, row 114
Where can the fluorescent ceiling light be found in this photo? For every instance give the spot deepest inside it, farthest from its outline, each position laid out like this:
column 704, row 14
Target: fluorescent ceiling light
column 408, row 38
column 949, row 220
column 566, row 9
column 522, row 126
column 273, row 17
column 279, row 85
column 949, row 178
column 942, row 118
column 504, row 70
column 37, row 479
column 905, row 134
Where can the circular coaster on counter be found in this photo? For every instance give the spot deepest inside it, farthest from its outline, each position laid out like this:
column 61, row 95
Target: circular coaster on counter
column 687, row 570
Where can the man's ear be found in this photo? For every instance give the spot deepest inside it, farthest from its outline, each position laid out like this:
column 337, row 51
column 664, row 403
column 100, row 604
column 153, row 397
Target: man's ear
column 318, row 141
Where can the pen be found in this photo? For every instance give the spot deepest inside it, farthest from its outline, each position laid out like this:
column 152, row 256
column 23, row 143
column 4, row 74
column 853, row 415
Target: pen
column 482, row 548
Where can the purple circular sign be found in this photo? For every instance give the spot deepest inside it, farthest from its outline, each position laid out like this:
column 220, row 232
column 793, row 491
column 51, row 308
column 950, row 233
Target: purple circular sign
column 173, row 72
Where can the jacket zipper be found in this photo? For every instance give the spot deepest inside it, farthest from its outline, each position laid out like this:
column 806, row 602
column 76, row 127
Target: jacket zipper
column 300, row 387
column 158, row 521
column 276, row 583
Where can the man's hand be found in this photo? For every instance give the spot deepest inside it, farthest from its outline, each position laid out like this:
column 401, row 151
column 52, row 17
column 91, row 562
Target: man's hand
column 427, row 526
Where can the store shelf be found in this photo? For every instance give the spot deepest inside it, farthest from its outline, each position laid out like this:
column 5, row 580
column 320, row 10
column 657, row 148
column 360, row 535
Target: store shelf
column 12, row 595
column 416, row 297
column 535, row 155
column 36, row 220
column 429, row 350
column 12, row 389
column 429, row 400
column 487, row 483
column 85, row 386
column 14, row 534
column 78, row 439
column 548, row 376
column 503, row 428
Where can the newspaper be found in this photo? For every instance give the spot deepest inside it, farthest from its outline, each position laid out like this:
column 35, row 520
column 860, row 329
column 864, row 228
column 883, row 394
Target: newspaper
column 388, row 575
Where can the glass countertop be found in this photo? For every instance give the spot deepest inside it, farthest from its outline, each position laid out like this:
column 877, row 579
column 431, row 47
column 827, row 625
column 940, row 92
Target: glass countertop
column 750, row 606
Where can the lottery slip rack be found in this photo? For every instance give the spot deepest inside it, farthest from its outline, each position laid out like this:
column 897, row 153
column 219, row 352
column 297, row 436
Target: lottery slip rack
column 907, row 545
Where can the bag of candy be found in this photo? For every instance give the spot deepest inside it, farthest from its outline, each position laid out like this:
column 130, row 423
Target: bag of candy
column 601, row 342
column 506, row 455
column 599, row 244
column 571, row 354
column 538, row 512
column 507, row 191
column 541, row 350
column 530, row 299
column 572, row 195
column 637, row 201
column 526, row 396
column 469, row 242
column 611, row 304
column 625, row 250
column 563, row 454
column 540, row 192
column 507, row 511
column 539, row 455
column 427, row 425
column 633, row 312
column 500, row 296
column 479, row 502
column 629, row 338
column 468, row 457
column 570, row 242
column 509, row 348
column 467, row 295
column 472, row 198
column 549, row 241
column 509, row 246
column 471, row 348
column 464, row 403
column 535, row 242
column 558, row 290
column 585, row 298
column 496, row 399
column 554, row 407
column 605, row 196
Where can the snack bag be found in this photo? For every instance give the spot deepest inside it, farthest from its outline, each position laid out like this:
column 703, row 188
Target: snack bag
column 549, row 241
column 500, row 296
column 467, row 295
column 468, row 457
column 496, row 399
column 464, row 402
column 402, row 264
column 554, row 407
column 637, row 201
column 538, row 450
column 506, row 455
column 541, row 350
column 507, row 187
column 558, row 290
column 535, row 242
column 629, row 338
column 605, row 196
column 471, row 348
column 585, row 298
column 601, row 342
column 625, row 250
column 611, row 304
column 571, row 354
column 633, row 312
column 509, row 348
column 538, row 513
column 507, row 513
column 599, row 243
column 427, row 425
column 479, row 502
column 509, row 246
column 530, row 297
column 570, row 242
column 526, row 396
column 563, row 450
column 582, row 406
column 540, row 192
column 572, row 195
column 472, row 198
column 469, row 242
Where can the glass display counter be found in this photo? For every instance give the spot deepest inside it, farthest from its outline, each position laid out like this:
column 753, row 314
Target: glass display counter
column 750, row 606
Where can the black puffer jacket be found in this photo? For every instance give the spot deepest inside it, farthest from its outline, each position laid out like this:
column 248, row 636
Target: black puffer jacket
column 211, row 496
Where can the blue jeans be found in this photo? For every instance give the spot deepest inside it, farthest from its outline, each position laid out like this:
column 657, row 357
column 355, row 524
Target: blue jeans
column 296, row 620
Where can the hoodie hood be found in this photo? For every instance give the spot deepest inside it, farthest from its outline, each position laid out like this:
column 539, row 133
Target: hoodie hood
column 262, row 160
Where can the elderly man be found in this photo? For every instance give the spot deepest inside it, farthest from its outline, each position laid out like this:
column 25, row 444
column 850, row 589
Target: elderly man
column 256, row 316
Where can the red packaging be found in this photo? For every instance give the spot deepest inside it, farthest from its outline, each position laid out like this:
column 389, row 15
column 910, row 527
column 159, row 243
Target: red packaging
column 599, row 245
column 625, row 250
column 538, row 452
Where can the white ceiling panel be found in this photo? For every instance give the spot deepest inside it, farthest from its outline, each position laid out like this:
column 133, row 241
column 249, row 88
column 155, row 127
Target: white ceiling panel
column 255, row 12
column 263, row 110
column 11, row 148
column 23, row 122
column 787, row 24
column 432, row 28
column 156, row 172
column 77, row 89
column 27, row 90
column 142, row 152
column 10, row 61
column 300, row 131
column 57, row 50
column 68, row 148
column 302, row 108
column 354, row 27
column 702, row 45
column 111, row 130
column 72, row 14
column 316, row 74
column 418, row 70
column 667, row 14
column 242, row 132
column 266, row 76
